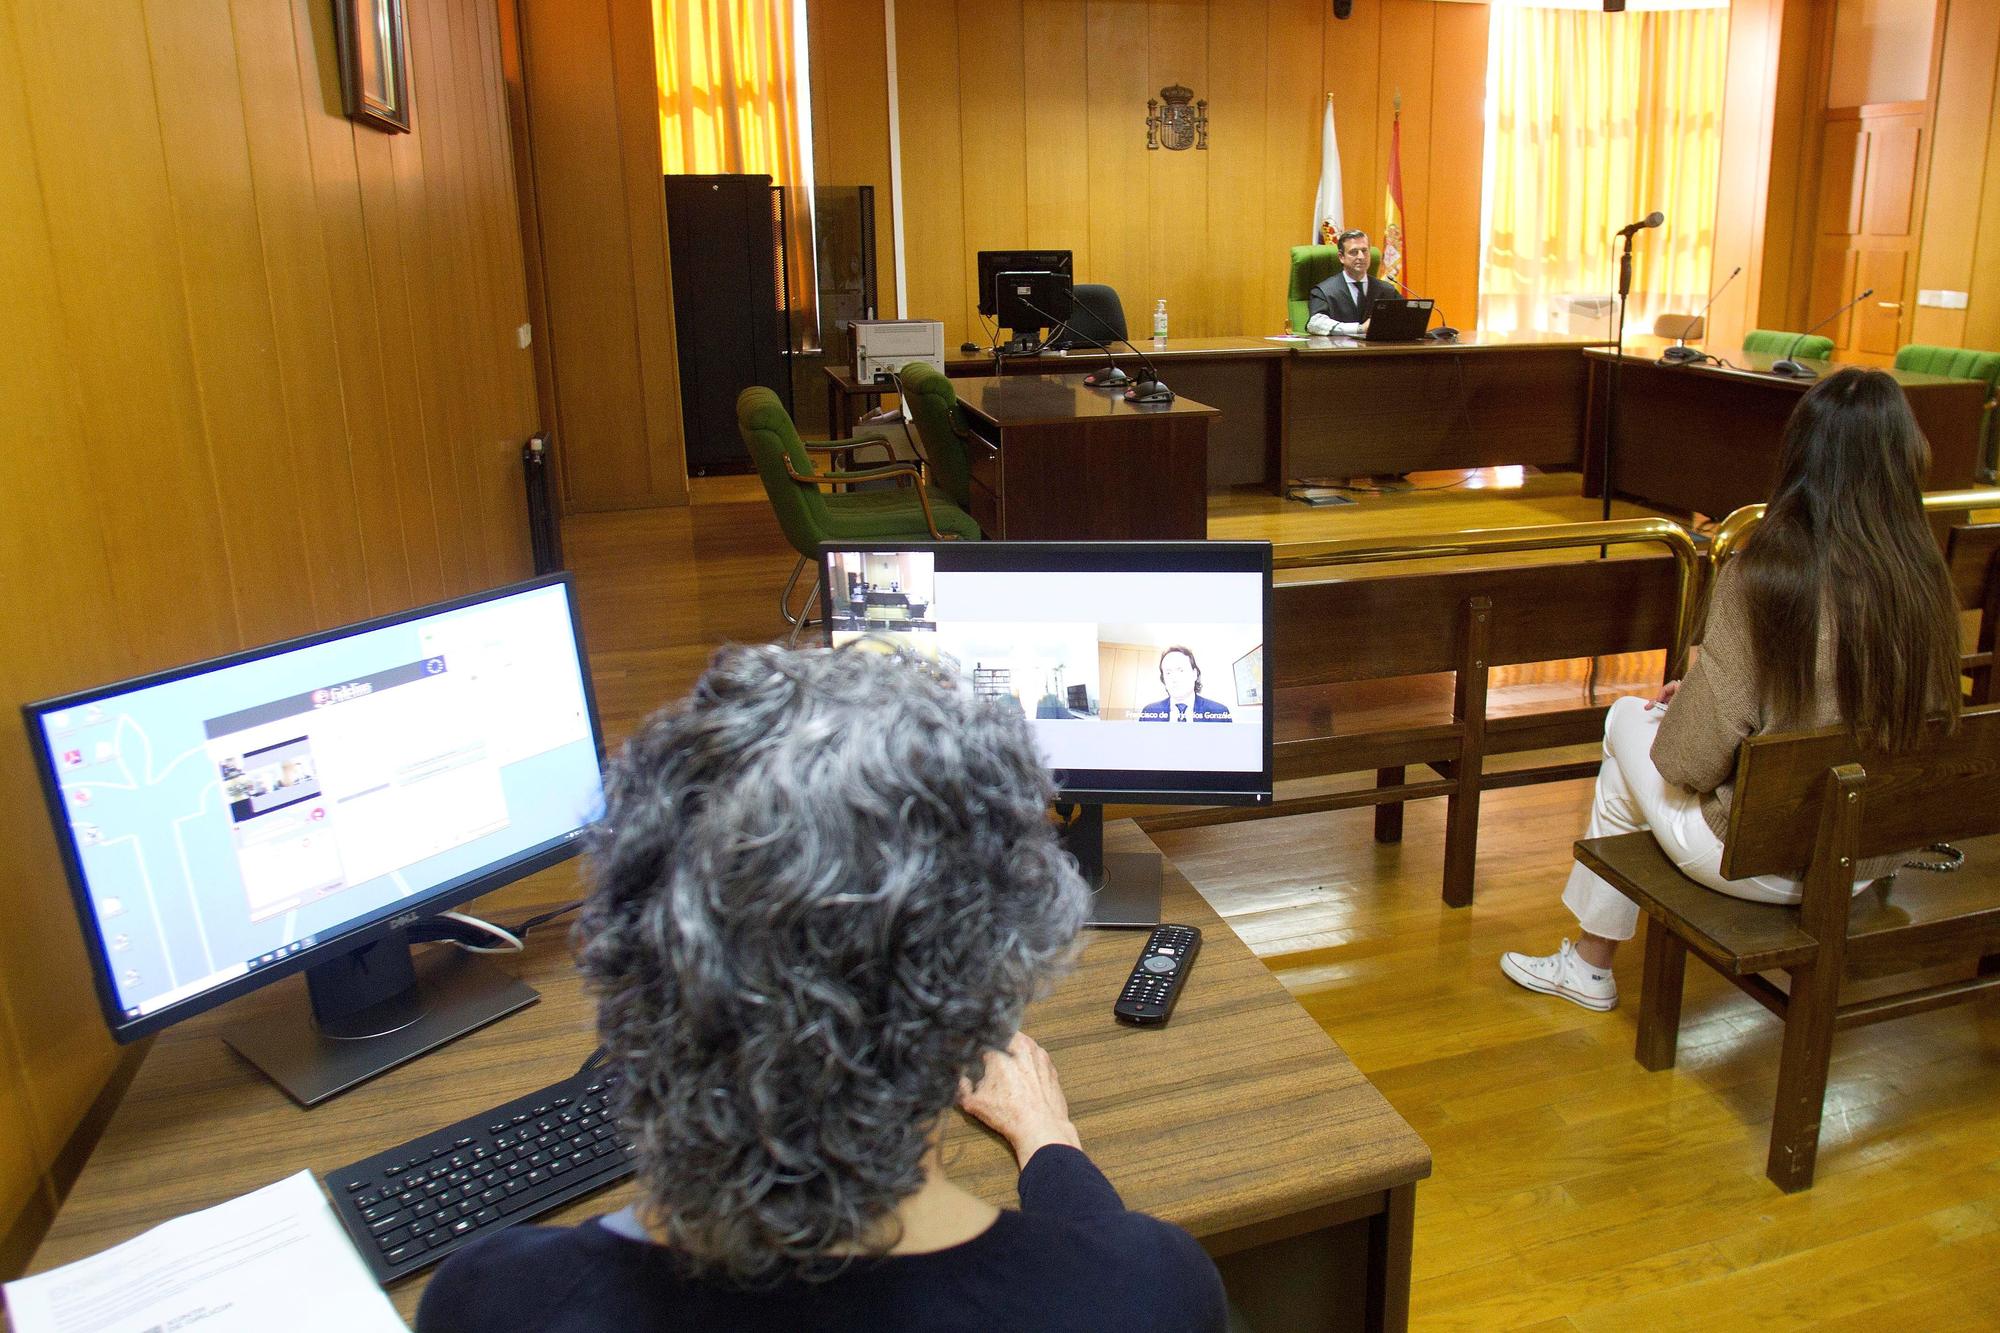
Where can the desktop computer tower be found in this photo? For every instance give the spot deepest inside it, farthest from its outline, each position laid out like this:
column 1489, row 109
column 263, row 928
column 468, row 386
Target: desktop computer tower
column 726, row 239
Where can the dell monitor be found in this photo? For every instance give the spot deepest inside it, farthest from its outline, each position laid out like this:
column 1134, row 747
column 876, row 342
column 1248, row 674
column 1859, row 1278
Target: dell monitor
column 1026, row 291
column 297, row 807
column 1139, row 666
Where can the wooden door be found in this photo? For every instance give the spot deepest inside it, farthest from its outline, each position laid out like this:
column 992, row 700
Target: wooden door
column 1870, row 194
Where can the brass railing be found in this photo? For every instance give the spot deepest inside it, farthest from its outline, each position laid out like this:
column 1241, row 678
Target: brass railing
column 1501, row 541
column 1730, row 533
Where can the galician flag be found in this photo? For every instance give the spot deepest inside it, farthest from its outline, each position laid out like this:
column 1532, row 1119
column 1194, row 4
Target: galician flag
column 1329, row 215
column 1396, row 267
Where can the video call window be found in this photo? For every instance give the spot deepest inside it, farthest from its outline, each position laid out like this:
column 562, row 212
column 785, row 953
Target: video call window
column 1155, row 670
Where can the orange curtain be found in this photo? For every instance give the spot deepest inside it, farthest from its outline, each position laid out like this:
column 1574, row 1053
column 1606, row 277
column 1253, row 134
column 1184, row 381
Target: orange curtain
column 730, row 102
column 1594, row 120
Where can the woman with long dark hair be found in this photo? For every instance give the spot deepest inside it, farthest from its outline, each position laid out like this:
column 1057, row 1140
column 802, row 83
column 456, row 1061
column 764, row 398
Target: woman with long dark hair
column 1838, row 611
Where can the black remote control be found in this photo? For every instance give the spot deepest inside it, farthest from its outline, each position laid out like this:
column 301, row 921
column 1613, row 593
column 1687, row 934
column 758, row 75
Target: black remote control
column 1158, row 976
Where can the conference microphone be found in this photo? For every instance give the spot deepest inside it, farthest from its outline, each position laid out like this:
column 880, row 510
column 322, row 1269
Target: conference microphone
column 1112, row 376
column 1652, row 219
column 1147, row 390
column 1784, row 365
column 1680, row 353
column 1443, row 333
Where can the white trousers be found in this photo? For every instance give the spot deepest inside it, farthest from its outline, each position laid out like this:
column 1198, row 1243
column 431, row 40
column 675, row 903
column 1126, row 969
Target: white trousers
column 1632, row 796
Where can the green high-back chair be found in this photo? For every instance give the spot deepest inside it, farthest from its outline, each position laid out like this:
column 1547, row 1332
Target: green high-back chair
column 1312, row 265
column 941, row 429
column 1964, row 363
column 1776, row 342
column 811, row 506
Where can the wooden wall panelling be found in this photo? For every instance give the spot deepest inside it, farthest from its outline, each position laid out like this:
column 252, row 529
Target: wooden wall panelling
column 1242, row 271
column 513, row 65
column 233, row 368
column 52, row 1062
column 445, row 383
column 1450, row 239
column 636, row 80
column 1121, row 202
column 928, row 100
column 1749, row 116
column 1351, row 69
column 1294, row 110
column 594, row 134
column 1954, row 227
column 1056, row 65
column 1177, row 35
column 1982, row 313
column 363, row 388
column 1405, row 67
column 302, row 323
column 995, row 137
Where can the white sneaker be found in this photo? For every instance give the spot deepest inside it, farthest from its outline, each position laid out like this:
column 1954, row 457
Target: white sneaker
column 1563, row 973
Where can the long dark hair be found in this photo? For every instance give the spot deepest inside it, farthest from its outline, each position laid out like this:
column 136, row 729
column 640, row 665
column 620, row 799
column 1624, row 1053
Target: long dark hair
column 1845, row 535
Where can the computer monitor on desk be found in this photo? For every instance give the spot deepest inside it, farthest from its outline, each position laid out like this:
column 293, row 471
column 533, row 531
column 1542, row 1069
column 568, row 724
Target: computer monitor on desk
column 1026, row 291
column 1104, row 646
column 298, row 807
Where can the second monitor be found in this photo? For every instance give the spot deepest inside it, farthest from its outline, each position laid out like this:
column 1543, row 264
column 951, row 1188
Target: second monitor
column 1025, row 292
column 1097, row 643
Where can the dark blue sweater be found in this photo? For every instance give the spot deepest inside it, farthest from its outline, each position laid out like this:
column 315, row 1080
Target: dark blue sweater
column 1072, row 1258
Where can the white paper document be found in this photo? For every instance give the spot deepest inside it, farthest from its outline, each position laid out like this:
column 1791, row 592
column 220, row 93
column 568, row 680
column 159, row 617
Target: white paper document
column 274, row 1258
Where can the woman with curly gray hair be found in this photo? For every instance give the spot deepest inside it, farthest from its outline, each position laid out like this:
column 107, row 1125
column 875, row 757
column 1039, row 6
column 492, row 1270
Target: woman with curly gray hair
column 825, row 891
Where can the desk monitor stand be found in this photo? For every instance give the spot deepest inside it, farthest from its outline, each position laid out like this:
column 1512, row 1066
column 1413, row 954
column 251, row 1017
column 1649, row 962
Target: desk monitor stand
column 371, row 1010
column 1125, row 886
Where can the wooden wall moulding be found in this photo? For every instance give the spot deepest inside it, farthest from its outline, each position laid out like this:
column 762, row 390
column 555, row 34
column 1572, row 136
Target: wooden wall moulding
column 374, row 62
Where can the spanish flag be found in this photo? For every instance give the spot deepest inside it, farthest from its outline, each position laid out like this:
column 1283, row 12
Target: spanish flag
column 1396, row 267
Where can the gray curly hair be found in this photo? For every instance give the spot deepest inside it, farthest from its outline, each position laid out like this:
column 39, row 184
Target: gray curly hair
column 825, row 887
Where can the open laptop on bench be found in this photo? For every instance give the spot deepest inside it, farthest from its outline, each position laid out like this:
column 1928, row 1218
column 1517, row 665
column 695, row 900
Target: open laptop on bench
column 1395, row 320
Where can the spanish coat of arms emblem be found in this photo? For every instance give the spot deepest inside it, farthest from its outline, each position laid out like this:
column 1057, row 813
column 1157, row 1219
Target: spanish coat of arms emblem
column 1178, row 126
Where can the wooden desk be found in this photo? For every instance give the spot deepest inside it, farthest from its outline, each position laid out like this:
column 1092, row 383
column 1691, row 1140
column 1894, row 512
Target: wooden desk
column 1705, row 439
column 1336, row 407
column 1054, row 460
column 1240, row 1121
column 1237, row 376
column 1354, row 408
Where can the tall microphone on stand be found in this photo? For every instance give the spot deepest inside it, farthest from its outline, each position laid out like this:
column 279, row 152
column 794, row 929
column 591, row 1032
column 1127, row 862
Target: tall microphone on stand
column 1680, row 353
column 1625, row 234
column 1786, row 366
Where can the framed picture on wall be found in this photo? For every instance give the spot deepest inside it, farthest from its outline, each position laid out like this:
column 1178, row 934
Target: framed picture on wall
column 374, row 62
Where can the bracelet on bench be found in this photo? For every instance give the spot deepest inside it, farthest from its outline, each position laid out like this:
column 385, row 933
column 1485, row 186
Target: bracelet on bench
column 1948, row 859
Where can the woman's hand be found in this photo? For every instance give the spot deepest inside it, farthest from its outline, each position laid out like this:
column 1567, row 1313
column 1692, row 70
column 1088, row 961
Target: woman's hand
column 1667, row 693
column 1019, row 1097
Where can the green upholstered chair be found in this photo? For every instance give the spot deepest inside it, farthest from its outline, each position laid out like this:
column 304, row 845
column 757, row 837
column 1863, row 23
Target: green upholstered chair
column 1312, row 265
column 1963, row 363
column 941, row 429
column 1776, row 342
column 811, row 510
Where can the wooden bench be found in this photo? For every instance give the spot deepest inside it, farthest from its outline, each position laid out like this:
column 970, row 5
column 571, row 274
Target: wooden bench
column 1341, row 630
column 1816, row 800
column 1970, row 550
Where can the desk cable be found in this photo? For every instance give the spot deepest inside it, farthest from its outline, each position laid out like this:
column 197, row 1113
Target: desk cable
column 474, row 935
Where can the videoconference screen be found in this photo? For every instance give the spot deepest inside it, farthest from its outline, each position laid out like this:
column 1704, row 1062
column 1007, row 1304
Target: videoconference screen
column 1139, row 665
column 229, row 816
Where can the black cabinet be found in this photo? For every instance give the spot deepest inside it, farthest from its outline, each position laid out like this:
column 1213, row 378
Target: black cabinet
column 725, row 235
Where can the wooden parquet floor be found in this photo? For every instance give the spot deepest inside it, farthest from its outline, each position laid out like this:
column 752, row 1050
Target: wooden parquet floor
column 1573, row 1190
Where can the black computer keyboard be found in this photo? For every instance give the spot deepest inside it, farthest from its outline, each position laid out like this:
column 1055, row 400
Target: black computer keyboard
column 413, row 1205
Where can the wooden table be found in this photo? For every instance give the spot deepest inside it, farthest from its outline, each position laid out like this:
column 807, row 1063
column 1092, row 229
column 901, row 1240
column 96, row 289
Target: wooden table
column 1700, row 439
column 1055, row 460
column 1240, row 1120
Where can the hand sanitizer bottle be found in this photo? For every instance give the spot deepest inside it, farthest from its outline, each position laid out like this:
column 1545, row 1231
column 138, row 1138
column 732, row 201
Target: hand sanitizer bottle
column 1160, row 321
